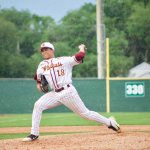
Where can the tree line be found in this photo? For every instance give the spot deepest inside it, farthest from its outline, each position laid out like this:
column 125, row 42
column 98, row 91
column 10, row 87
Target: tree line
column 126, row 24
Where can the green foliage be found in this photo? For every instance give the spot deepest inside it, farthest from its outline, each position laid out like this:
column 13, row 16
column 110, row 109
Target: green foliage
column 138, row 33
column 28, row 42
column 123, row 61
column 63, row 49
column 145, row 2
column 80, row 26
column 16, row 66
column 20, row 19
column 32, row 64
column 8, row 36
column 118, row 44
column 116, row 13
column 127, row 25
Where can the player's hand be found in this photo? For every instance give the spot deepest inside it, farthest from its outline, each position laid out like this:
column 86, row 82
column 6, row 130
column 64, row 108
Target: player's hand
column 82, row 48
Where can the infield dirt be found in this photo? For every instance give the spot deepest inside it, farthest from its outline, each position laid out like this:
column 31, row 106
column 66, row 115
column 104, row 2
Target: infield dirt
column 91, row 138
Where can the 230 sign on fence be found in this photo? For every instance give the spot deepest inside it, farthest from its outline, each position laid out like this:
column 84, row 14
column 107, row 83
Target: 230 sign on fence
column 134, row 89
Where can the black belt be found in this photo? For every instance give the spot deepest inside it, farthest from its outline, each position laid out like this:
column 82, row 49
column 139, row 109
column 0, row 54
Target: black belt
column 60, row 89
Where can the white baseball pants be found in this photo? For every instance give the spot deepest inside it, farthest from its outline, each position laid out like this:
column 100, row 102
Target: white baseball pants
column 68, row 97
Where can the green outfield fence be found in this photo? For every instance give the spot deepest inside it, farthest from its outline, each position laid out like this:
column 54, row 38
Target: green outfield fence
column 19, row 95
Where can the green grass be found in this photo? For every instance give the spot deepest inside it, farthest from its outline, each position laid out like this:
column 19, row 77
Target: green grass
column 22, row 135
column 66, row 119
column 70, row 119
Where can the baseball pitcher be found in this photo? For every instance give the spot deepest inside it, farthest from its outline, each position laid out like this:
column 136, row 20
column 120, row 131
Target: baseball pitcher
column 57, row 73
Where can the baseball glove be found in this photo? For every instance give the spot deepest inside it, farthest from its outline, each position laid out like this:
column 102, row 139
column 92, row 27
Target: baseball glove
column 44, row 84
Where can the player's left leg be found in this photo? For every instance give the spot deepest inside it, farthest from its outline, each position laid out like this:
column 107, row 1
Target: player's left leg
column 74, row 102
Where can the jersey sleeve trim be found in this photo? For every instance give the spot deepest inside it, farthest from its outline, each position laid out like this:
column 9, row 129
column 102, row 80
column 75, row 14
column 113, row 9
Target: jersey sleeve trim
column 35, row 78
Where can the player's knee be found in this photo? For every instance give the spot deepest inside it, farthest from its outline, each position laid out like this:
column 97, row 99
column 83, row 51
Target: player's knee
column 85, row 114
column 37, row 105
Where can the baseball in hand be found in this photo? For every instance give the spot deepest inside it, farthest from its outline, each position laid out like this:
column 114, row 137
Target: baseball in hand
column 82, row 47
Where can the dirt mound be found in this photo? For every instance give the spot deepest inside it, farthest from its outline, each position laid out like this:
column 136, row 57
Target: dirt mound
column 91, row 138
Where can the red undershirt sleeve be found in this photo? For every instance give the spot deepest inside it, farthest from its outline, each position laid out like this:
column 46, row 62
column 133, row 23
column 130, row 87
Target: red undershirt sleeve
column 79, row 56
column 35, row 78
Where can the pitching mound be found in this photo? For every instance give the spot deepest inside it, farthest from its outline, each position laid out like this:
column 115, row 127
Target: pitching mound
column 86, row 138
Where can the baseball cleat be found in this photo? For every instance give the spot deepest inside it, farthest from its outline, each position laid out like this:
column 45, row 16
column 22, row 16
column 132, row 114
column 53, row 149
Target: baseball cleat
column 30, row 138
column 114, row 125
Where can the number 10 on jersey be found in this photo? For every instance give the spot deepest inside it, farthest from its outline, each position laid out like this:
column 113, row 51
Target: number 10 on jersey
column 134, row 89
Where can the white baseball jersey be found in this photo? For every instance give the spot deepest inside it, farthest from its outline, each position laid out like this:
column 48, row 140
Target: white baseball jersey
column 58, row 72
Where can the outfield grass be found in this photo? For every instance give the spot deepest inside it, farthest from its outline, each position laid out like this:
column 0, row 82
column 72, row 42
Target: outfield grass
column 71, row 119
column 22, row 135
column 65, row 119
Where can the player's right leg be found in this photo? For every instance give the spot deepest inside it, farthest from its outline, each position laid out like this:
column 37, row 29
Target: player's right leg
column 30, row 138
column 47, row 101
